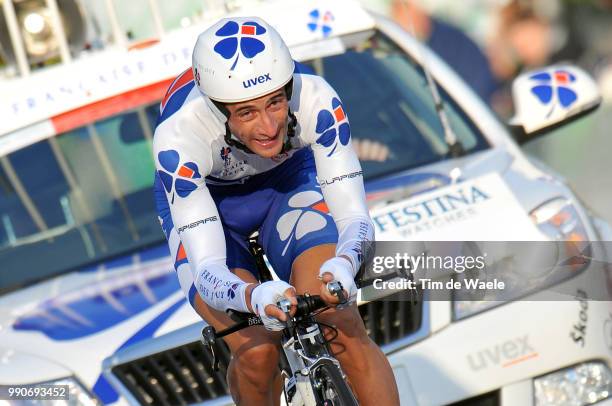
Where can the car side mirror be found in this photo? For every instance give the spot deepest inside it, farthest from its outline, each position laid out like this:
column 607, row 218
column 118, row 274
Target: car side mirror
column 548, row 98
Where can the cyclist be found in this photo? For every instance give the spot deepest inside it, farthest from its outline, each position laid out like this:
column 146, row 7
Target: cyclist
column 246, row 140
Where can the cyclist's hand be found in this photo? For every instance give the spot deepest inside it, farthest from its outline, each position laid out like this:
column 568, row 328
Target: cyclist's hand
column 263, row 301
column 338, row 269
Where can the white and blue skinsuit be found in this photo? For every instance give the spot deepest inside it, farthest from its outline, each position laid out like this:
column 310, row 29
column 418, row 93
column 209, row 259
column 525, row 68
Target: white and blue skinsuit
column 211, row 196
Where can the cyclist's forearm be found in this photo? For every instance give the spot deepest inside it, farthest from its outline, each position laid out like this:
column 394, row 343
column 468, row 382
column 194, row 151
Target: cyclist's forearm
column 221, row 289
column 355, row 234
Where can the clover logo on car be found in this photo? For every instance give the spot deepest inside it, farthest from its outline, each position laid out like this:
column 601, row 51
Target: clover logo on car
column 321, row 21
column 557, row 85
column 176, row 175
column 333, row 126
column 243, row 36
column 308, row 215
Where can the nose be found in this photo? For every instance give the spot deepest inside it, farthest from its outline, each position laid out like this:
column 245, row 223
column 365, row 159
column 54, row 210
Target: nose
column 268, row 124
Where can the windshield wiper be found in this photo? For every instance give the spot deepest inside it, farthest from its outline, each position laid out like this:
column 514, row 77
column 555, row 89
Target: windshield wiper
column 455, row 148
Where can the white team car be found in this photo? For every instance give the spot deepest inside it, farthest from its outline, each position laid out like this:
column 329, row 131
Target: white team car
column 91, row 301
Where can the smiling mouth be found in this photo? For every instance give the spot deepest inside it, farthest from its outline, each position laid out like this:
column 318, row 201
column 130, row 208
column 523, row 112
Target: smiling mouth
column 267, row 142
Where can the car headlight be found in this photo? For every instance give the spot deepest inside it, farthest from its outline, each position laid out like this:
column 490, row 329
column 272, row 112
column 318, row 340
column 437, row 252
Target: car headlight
column 557, row 219
column 77, row 395
column 579, row 385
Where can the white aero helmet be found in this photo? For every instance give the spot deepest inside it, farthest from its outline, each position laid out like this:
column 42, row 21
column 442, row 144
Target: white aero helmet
column 239, row 59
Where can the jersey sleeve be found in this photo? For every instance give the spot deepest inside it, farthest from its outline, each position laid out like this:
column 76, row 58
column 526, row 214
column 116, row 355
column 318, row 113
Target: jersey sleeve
column 339, row 172
column 182, row 163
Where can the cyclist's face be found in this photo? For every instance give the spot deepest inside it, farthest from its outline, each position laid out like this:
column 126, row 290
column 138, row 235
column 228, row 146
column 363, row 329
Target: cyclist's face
column 261, row 124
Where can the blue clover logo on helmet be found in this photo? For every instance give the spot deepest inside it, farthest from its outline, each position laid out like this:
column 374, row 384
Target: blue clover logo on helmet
column 175, row 180
column 322, row 21
column 556, row 84
column 331, row 124
column 243, row 36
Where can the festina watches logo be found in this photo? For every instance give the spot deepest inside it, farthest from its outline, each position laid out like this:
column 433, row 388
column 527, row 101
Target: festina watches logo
column 437, row 209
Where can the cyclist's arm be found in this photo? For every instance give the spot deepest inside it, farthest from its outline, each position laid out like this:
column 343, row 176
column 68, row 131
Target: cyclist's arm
column 341, row 179
column 197, row 222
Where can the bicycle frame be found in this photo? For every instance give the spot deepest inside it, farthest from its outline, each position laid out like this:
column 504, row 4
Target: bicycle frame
column 304, row 348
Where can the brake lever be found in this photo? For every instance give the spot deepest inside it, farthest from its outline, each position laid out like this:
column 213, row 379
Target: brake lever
column 335, row 288
column 285, row 306
column 209, row 338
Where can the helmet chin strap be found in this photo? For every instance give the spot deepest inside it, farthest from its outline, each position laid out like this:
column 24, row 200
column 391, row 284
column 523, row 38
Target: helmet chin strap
column 232, row 142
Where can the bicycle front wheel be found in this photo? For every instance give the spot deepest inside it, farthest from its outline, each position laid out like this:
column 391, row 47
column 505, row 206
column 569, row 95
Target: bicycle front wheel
column 332, row 389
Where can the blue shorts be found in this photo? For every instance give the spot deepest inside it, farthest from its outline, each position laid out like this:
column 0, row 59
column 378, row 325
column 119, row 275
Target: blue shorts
column 285, row 205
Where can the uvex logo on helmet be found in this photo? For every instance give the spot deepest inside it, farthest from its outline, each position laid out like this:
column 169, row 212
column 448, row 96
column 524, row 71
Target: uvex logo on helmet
column 253, row 82
column 243, row 36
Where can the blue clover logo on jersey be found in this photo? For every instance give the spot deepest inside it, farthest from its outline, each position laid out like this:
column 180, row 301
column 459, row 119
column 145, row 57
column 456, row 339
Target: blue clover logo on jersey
column 239, row 36
column 333, row 126
column 177, row 175
column 321, row 21
column 547, row 86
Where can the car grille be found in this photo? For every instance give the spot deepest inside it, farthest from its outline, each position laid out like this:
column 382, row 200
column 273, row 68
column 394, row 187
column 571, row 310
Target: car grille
column 393, row 317
column 179, row 376
column 182, row 375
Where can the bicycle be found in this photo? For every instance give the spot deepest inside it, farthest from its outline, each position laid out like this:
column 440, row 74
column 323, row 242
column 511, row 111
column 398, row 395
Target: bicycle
column 312, row 376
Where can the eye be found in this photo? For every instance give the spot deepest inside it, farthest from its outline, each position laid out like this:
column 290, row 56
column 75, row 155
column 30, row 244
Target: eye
column 245, row 115
column 276, row 104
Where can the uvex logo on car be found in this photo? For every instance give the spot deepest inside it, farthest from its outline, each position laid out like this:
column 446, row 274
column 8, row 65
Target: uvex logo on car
column 255, row 81
column 504, row 355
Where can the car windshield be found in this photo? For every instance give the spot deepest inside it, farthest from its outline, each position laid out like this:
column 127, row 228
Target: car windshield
column 85, row 196
column 394, row 123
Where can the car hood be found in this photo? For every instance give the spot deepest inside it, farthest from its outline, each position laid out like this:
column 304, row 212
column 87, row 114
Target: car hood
column 78, row 319
column 482, row 196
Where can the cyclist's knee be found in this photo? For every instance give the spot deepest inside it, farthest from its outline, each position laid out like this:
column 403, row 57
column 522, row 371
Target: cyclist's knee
column 347, row 321
column 257, row 363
